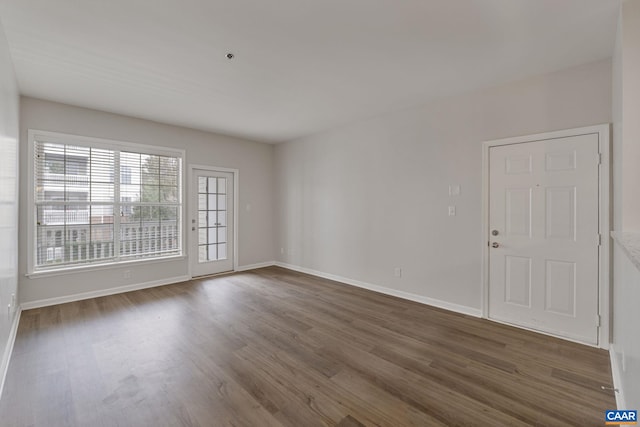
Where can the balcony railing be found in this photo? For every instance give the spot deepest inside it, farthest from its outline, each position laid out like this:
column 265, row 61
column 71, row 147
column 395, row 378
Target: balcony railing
column 136, row 241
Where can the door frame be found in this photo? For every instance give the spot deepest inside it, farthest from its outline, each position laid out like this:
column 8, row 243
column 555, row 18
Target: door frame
column 604, row 252
column 191, row 214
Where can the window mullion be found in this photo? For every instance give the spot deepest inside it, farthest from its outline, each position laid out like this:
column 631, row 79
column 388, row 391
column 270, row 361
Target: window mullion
column 65, row 198
column 116, row 204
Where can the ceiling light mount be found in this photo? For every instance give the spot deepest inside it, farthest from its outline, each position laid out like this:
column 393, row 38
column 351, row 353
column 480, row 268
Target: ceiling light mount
column 230, row 55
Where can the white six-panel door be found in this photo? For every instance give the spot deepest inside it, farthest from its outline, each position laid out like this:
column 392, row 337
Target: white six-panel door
column 544, row 235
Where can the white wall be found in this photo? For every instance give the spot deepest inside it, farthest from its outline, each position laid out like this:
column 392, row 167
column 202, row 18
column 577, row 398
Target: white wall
column 626, row 151
column 630, row 97
column 626, row 339
column 360, row 200
column 616, row 113
column 254, row 160
column 9, row 100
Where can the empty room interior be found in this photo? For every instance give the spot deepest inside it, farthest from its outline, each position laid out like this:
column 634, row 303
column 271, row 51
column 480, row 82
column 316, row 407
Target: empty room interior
column 319, row 213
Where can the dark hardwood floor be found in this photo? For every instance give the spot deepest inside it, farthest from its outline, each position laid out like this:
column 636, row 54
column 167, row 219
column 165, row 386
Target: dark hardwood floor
column 272, row 347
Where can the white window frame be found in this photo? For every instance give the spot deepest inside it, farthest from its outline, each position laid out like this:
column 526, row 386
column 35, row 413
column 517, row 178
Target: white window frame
column 63, row 138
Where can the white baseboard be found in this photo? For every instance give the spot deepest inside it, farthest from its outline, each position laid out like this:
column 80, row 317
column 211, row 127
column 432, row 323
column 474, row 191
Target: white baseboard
column 101, row 293
column 6, row 357
column 121, row 289
column 254, row 266
column 616, row 373
column 463, row 309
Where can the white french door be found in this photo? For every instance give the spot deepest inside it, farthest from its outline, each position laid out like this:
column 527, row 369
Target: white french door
column 211, row 247
column 544, row 235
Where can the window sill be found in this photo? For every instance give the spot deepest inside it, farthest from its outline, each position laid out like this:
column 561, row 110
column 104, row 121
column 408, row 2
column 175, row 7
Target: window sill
column 105, row 266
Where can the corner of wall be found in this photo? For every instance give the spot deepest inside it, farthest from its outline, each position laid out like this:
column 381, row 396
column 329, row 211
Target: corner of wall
column 9, row 191
column 8, row 350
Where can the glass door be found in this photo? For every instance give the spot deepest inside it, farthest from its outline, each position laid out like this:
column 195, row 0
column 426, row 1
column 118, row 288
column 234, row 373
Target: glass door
column 211, row 222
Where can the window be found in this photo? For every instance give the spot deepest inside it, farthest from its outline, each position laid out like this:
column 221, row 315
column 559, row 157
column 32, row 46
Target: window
column 57, row 163
column 125, row 175
column 126, row 207
column 83, row 215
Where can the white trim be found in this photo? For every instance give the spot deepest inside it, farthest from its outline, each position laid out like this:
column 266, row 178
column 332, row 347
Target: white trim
column 61, row 138
column 31, row 214
column 462, row 309
column 102, row 292
column 236, row 197
column 484, row 268
column 213, row 168
column 603, row 131
column 6, row 357
column 254, row 266
column 103, row 266
column 605, row 252
column 616, row 374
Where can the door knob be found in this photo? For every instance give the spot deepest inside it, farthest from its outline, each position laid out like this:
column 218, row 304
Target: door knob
column 495, row 245
column 494, row 232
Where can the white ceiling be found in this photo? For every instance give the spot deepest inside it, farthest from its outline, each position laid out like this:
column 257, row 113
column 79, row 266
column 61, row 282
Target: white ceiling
column 301, row 66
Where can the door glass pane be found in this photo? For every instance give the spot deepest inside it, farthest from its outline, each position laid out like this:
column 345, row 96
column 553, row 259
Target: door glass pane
column 222, row 218
column 202, row 218
column 212, row 218
column 222, row 185
column 222, row 202
column 212, row 202
column 212, row 235
column 212, row 186
column 212, row 252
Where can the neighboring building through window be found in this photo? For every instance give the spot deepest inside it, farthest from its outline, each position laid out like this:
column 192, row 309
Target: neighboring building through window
column 125, row 175
column 75, row 197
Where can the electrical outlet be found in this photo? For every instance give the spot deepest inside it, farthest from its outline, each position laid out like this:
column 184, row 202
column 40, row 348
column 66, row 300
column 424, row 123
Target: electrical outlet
column 282, row 251
column 127, row 274
column 452, row 211
column 397, row 272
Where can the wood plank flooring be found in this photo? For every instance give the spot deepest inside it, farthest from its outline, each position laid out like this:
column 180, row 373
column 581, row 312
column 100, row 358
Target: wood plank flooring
column 272, row 347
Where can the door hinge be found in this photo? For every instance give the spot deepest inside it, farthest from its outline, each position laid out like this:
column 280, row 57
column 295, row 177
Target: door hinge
column 598, row 320
column 599, row 158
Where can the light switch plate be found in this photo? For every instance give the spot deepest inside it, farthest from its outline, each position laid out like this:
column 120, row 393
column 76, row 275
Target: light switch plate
column 452, row 210
column 454, row 190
